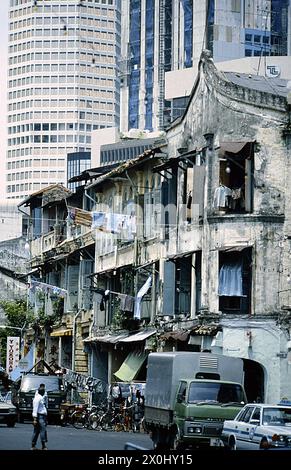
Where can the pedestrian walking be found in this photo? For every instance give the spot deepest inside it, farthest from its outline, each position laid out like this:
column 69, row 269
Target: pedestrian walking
column 39, row 415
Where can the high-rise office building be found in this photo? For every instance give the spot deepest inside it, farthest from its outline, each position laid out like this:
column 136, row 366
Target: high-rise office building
column 168, row 35
column 62, row 84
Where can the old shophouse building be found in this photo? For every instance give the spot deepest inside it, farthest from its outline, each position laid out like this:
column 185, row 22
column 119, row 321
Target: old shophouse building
column 185, row 247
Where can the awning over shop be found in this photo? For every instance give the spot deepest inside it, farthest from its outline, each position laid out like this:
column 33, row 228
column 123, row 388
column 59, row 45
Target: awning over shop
column 130, row 367
column 110, row 339
column 180, row 335
column 180, row 255
column 62, row 332
column 140, row 336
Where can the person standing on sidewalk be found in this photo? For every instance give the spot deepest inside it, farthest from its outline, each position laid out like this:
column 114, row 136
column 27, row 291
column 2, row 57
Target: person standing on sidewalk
column 39, row 415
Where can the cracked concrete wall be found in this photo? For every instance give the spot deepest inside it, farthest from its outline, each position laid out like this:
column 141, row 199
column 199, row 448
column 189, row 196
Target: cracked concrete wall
column 232, row 114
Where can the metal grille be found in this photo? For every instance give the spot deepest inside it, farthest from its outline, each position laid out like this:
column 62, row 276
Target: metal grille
column 209, row 362
column 212, row 431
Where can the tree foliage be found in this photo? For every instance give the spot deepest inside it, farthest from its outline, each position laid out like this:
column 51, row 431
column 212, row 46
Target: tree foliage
column 16, row 312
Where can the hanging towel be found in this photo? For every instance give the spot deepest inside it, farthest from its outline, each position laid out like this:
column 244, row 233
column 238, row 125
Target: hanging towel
column 126, row 302
column 143, row 290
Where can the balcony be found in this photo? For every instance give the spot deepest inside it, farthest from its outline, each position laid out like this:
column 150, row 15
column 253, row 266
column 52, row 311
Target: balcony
column 48, row 241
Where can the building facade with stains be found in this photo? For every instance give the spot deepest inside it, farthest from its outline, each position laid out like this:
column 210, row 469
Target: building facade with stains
column 187, row 246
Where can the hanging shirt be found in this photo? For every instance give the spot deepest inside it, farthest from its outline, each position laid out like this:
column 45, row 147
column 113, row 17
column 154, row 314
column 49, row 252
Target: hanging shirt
column 221, row 195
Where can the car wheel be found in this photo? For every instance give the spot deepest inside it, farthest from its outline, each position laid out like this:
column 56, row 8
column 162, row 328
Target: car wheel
column 232, row 443
column 264, row 444
column 11, row 424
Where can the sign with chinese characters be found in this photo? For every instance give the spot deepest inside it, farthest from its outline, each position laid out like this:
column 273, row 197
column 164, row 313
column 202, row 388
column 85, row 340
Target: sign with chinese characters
column 273, row 71
column 12, row 355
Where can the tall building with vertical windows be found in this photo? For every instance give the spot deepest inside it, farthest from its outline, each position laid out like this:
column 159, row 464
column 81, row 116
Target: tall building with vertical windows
column 62, row 84
column 169, row 35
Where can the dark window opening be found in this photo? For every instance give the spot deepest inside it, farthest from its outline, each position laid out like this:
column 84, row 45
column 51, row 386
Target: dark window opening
column 235, row 278
column 183, row 286
column 235, row 191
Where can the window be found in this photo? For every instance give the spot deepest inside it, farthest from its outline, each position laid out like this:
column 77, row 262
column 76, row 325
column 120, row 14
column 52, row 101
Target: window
column 246, row 414
column 235, row 280
column 257, row 413
column 181, row 396
column 235, row 191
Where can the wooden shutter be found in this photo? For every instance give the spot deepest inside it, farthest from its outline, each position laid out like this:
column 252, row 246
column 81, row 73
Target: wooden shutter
column 169, row 288
column 198, row 191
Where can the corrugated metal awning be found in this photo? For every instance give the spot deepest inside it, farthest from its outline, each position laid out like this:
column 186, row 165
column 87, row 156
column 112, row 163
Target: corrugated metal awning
column 140, row 336
column 180, row 255
column 109, row 339
column 180, row 335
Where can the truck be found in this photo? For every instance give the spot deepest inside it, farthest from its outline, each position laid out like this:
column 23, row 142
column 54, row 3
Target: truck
column 28, row 385
column 188, row 397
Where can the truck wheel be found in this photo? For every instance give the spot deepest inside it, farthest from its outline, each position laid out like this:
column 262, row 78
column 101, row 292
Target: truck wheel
column 176, row 442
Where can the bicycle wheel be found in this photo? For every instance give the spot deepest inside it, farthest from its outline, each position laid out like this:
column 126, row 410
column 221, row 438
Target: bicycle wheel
column 77, row 420
column 94, row 421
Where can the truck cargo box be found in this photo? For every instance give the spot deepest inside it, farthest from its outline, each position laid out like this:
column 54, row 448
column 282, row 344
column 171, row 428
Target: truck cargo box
column 166, row 369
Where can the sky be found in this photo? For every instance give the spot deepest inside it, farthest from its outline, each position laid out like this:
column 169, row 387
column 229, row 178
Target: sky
column 4, row 4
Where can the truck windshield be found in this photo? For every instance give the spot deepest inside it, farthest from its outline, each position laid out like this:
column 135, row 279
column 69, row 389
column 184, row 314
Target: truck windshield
column 31, row 383
column 215, row 392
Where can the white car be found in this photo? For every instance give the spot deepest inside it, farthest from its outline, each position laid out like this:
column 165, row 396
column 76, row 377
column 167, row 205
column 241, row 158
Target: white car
column 265, row 426
column 8, row 414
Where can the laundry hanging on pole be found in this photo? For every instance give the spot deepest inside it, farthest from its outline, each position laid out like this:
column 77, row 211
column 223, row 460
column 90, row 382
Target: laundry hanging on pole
column 143, row 290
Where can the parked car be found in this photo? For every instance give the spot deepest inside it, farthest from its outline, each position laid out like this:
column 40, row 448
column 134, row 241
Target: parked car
column 8, row 412
column 29, row 384
column 264, row 426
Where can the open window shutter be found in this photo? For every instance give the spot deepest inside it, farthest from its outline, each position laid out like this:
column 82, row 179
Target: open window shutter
column 156, row 216
column 86, row 268
column 147, row 214
column 248, row 185
column 72, row 286
column 169, row 288
column 198, row 191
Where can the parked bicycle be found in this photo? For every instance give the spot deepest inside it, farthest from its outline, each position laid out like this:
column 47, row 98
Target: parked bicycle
column 81, row 418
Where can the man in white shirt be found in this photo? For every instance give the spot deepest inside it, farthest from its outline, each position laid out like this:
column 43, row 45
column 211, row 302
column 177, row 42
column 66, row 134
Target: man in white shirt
column 39, row 415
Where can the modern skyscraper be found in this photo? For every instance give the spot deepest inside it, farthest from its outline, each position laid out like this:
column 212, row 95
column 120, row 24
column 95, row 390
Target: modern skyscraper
column 79, row 65
column 168, row 35
column 62, row 84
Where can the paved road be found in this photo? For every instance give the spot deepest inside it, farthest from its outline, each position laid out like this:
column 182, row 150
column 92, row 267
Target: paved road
column 69, row 438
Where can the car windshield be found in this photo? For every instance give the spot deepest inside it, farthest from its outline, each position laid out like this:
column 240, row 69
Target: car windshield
column 215, row 392
column 277, row 416
column 31, row 383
